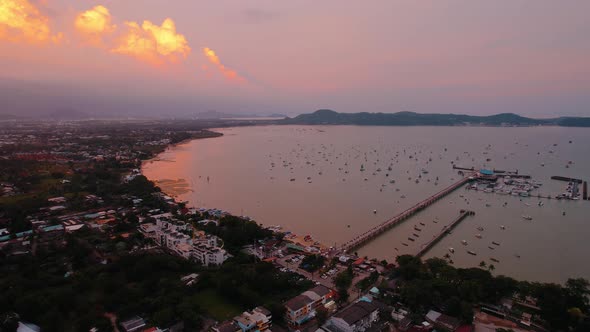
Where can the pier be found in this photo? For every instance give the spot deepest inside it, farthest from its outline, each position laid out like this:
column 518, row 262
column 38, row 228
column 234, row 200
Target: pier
column 426, row 247
column 563, row 178
column 372, row 233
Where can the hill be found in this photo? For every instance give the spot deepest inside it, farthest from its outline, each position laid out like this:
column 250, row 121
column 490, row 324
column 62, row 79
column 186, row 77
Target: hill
column 330, row 117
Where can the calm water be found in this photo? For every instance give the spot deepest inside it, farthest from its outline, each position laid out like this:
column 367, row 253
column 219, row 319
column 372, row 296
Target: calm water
column 309, row 180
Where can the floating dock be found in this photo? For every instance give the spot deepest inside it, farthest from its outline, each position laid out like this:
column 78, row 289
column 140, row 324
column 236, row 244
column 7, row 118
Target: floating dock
column 426, row 247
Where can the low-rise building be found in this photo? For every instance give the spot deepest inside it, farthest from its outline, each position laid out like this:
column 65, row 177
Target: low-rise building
column 302, row 308
column 357, row 317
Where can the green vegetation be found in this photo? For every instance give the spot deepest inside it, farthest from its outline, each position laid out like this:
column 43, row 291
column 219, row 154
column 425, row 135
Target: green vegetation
column 367, row 282
column 217, row 306
column 323, row 117
column 237, row 232
column 436, row 284
column 342, row 281
column 312, row 263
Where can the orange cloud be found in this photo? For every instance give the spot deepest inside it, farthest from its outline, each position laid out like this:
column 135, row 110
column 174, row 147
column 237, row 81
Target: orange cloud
column 227, row 72
column 152, row 43
column 21, row 21
column 93, row 23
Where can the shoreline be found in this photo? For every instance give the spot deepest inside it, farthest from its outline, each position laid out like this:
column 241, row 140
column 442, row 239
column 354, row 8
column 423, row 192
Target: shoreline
column 290, row 236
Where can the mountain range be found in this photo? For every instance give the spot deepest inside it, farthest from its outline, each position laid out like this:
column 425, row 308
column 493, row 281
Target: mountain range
column 330, row 117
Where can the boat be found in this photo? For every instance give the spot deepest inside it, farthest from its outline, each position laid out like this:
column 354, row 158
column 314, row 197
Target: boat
column 491, row 247
column 416, row 235
column 405, row 244
column 478, row 236
column 375, row 211
column 471, row 252
column 527, row 217
column 423, row 224
column 452, row 250
column 494, row 260
column 495, row 243
column 417, row 228
column 480, row 228
column 411, row 239
column 502, row 227
column 463, row 242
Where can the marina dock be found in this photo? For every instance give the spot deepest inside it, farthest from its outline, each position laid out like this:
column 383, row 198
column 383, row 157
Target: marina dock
column 369, row 235
column 426, row 247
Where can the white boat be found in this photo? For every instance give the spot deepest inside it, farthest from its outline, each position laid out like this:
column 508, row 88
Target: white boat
column 527, row 217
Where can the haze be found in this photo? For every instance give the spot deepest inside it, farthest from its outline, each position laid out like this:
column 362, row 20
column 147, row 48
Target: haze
column 176, row 58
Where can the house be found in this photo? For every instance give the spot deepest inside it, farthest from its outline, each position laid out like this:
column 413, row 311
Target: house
column 227, row 326
column 134, row 324
column 355, row 318
column 303, row 307
column 257, row 320
column 442, row 321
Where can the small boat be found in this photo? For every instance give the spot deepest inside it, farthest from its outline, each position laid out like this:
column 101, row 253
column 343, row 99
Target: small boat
column 375, row 211
column 411, row 239
column 452, row 250
column 463, row 242
column 495, row 243
column 527, row 217
column 423, row 224
column 405, row 244
column 491, row 247
column 494, row 260
column 471, row 252
column 416, row 235
column 480, row 228
column 478, row 236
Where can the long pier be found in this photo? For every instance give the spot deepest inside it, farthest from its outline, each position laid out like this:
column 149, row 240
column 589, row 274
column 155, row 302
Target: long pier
column 372, row 233
column 426, row 247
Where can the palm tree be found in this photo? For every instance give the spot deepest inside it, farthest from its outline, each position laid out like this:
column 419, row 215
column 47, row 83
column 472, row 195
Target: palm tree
column 491, row 267
column 482, row 264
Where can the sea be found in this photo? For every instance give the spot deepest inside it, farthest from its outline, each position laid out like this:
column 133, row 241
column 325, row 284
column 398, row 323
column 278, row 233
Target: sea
column 335, row 182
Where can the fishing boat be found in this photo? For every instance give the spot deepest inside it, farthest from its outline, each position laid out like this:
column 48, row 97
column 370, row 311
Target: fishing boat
column 478, row 236
column 452, row 250
column 525, row 217
column 417, row 229
column 463, row 242
column 471, row 252
column 502, row 227
column 411, row 239
column 495, row 243
column 494, row 260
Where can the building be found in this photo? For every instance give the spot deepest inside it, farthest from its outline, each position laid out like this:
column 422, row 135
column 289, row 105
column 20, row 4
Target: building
column 209, row 255
column 134, row 324
column 171, row 235
column 302, row 308
column 442, row 321
column 354, row 318
column 257, row 320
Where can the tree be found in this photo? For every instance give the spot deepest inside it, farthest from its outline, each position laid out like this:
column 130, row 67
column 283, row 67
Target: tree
column 321, row 316
column 482, row 264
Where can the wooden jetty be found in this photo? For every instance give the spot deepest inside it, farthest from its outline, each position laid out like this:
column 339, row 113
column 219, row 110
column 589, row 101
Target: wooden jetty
column 372, row 233
column 427, row 246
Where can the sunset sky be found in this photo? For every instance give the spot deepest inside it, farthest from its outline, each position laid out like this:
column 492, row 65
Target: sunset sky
column 177, row 57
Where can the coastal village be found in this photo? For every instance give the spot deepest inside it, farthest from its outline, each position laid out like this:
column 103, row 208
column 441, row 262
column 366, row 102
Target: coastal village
column 75, row 206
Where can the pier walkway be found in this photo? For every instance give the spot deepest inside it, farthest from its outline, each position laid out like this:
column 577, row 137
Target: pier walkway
column 372, row 233
column 427, row 246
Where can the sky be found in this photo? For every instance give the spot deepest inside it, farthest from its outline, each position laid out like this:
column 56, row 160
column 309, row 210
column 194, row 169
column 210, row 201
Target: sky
column 180, row 57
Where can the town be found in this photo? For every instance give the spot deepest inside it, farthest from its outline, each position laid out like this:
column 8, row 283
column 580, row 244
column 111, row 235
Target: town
column 87, row 243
